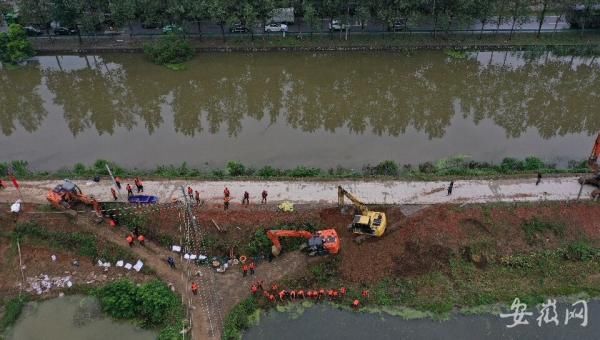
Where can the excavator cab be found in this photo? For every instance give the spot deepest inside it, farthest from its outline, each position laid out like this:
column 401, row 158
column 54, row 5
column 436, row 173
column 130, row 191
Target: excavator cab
column 322, row 242
column 365, row 222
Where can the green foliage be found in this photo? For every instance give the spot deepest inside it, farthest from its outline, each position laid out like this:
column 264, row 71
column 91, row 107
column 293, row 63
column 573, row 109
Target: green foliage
column 511, row 164
column 302, row 171
column 14, row 46
column 535, row 227
column 120, row 299
column 169, row 49
column 153, row 303
column 236, row 169
column 533, row 163
column 323, row 272
column 386, row 168
column 454, row 54
column 83, row 244
column 268, row 171
column 581, row 251
column 238, row 319
column 259, row 244
column 12, row 311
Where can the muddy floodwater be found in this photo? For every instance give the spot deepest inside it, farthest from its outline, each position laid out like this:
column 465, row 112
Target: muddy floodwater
column 72, row 318
column 286, row 109
column 322, row 322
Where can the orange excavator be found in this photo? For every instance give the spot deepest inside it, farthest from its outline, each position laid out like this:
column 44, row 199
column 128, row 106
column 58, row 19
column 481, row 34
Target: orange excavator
column 322, row 242
column 593, row 165
column 67, row 194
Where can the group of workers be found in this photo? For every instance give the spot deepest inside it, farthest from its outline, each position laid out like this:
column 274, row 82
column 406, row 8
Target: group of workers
column 291, row 295
column 193, row 195
column 248, row 267
column 136, row 235
column 138, row 184
column 245, row 198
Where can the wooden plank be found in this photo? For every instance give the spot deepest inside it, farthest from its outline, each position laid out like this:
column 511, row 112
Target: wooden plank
column 216, row 225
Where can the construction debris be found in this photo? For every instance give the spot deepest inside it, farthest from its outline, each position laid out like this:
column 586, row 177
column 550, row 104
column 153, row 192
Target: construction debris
column 43, row 283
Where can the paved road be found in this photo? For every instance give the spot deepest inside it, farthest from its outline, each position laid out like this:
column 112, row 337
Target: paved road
column 376, row 192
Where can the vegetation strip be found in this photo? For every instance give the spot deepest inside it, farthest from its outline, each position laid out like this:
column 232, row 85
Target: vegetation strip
column 455, row 167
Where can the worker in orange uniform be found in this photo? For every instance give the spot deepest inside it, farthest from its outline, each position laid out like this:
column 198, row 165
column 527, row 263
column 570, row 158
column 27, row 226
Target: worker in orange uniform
column 330, row 294
column 118, row 182
column 2, row 186
column 355, row 304
column 114, row 193
column 335, row 294
column 130, row 240
column 197, row 197
column 141, row 240
column 271, row 298
column 252, row 267
column 226, row 192
column 343, row 291
column 129, row 190
column 254, row 289
column 282, row 295
column 244, row 270
column 301, row 294
column 365, row 294
column 274, row 287
column 246, row 199
column 190, row 193
column 293, row 294
column 321, row 293
column 195, row 288
column 259, row 284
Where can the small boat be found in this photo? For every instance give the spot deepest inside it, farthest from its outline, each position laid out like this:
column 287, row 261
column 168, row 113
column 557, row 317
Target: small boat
column 143, row 199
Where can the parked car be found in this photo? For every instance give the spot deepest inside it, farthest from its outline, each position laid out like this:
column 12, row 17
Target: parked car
column 335, row 25
column 399, row 25
column 32, row 31
column 276, row 27
column 238, row 28
column 65, row 31
column 172, row 29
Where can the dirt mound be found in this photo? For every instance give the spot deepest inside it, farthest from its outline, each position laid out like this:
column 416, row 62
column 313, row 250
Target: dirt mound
column 419, row 259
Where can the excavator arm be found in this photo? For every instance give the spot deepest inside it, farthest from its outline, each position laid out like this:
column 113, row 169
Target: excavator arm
column 592, row 161
column 274, row 236
column 357, row 203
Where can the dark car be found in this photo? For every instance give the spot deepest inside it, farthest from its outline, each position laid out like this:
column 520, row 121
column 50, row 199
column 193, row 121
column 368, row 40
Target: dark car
column 64, row 31
column 399, row 25
column 238, row 28
column 32, row 31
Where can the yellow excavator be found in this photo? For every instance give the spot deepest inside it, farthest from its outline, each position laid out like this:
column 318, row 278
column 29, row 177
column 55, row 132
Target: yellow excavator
column 366, row 223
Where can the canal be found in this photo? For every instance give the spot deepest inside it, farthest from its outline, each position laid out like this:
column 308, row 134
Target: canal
column 287, row 109
column 72, row 318
column 323, row 322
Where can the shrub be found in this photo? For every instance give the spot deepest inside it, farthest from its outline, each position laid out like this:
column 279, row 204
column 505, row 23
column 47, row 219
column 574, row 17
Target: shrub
column 14, row 46
column 580, row 251
column 12, row 311
column 268, row 171
column 536, row 226
column 533, row 163
column 302, row 171
column 169, row 49
column 386, row 168
column 119, row 299
column 511, row 164
column 237, row 320
column 157, row 303
column 235, row 168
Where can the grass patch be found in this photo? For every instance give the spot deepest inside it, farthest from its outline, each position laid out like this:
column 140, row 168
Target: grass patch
column 535, row 228
column 454, row 167
column 12, row 311
column 239, row 319
column 175, row 67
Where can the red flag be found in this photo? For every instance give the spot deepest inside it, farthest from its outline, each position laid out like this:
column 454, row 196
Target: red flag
column 15, row 183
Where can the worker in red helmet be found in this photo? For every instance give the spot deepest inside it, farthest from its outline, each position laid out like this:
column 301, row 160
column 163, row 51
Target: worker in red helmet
column 282, row 295
column 254, row 289
column 335, row 294
column 274, row 287
column 355, row 304
column 365, row 294
column 301, row 294
column 343, row 291
column 271, row 298
column 190, row 193
column 293, row 294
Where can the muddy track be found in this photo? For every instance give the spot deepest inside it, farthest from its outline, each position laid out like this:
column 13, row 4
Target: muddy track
column 207, row 311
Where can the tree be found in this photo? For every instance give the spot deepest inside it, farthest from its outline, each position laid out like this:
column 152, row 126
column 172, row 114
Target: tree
column 14, row 46
column 196, row 11
column 363, row 13
column 249, row 17
column 482, row 10
column 38, row 12
column 310, row 16
column 122, row 12
column 519, row 10
column 219, row 11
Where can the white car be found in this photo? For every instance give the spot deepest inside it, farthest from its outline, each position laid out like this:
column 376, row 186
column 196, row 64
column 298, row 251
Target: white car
column 335, row 25
column 276, row 28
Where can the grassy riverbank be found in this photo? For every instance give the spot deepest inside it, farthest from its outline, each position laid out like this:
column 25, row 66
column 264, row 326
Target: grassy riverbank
column 455, row 168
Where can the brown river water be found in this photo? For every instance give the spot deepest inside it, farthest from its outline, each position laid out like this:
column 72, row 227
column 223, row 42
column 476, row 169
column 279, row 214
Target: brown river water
column 288, row 109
